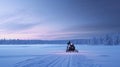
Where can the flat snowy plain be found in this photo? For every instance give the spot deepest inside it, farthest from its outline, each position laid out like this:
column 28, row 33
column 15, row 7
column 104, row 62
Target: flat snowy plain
column 55, row 56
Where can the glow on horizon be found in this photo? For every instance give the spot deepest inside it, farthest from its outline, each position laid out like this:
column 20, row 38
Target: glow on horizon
column 44, row 35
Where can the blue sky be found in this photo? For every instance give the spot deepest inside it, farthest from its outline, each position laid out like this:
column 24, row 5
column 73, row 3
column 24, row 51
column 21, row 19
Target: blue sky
column 58, row 19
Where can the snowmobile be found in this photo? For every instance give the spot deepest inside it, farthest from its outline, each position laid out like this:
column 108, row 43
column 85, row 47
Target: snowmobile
column 71, row 48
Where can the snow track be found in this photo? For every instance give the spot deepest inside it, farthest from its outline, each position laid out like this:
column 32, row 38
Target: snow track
column 58, row 60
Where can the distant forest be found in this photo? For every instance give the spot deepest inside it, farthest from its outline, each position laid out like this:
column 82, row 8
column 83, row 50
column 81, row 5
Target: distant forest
column 108, row 39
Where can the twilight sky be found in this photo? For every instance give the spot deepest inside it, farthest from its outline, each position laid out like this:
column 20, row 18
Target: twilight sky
column 58, row 19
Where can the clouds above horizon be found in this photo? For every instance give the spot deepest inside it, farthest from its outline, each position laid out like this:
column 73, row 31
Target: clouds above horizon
column 58, row 19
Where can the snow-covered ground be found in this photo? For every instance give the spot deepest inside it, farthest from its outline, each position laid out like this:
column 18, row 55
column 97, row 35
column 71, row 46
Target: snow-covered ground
column 55, row 56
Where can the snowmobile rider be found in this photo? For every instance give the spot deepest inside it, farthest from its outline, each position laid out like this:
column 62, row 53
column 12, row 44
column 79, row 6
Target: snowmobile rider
column 70, row 47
